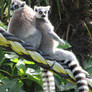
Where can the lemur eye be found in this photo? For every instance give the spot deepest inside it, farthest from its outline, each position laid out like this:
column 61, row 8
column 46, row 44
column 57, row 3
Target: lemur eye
column 36, row 10
column 40, row 12
column 16, row 6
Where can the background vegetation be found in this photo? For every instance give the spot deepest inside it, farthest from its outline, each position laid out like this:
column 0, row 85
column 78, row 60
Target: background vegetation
column 73, row 22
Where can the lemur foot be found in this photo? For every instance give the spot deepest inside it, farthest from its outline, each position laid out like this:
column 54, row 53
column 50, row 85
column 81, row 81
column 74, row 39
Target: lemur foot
column 48, row 57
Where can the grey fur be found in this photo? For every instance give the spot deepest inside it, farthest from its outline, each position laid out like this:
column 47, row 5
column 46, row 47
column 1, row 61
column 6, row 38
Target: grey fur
column 22, row 25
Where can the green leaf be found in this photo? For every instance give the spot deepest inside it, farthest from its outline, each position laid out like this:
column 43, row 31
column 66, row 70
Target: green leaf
column 29, row 62
column 15, row 60
column 11, row 55
column 9, row 2
column 63, row 85
column 21, row 67
column 67, row 45
column 11, row 85
column 2, row 57
column 47, row 2
column 2, row 25
column 33, row 75
column 89, row 31
column 59, row 8
column 88, row 66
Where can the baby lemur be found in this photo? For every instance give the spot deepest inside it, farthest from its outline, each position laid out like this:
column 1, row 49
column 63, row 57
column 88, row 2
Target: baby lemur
column 48, row 47
column 22, row 24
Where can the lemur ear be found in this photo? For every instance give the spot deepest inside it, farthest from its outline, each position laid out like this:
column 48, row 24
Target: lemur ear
column 35, row 7
column 23, row 4
column 48, row 7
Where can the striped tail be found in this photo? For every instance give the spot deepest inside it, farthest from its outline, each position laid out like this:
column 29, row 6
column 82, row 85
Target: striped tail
column 79, row 75
column 48, row 81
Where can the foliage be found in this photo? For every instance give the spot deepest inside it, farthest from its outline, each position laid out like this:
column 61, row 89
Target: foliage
column 5, row 10
column 19, row 75
column 18, row 72
column 5, row 85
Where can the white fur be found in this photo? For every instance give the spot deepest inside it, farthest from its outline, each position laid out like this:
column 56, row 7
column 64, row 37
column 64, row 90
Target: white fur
column 41, row 8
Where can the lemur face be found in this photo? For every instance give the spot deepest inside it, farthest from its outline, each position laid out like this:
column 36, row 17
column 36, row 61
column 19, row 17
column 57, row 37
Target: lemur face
column 41, row 11
column 17, row 4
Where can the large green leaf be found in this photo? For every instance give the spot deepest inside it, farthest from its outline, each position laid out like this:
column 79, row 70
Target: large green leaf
column 10, row 85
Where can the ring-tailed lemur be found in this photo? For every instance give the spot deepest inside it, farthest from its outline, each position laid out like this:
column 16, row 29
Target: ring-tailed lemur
column 48, row 47
column 22, row 24
column 48, row 78
column 42, row 17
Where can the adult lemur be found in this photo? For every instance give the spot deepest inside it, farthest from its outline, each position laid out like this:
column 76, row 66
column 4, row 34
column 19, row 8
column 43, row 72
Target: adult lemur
column 48, row 47
column 22, row 24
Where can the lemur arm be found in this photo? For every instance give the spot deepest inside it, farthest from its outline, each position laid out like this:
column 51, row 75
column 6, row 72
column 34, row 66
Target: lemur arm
column 56, row 37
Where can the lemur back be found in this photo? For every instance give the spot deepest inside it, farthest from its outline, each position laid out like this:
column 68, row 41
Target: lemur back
column 22, row 24
column 49, row 49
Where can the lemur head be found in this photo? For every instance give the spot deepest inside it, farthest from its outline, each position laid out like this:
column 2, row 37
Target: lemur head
column 42, row 11
column 17, row 4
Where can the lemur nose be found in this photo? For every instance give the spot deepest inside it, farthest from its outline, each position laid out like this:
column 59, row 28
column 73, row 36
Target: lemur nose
column 43, row 15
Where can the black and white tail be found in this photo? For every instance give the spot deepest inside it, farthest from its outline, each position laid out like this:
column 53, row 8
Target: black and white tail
column 48, row 81
column 79, row 75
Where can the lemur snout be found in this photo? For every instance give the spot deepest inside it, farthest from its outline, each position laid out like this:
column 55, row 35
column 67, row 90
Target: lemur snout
column 43, row 16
